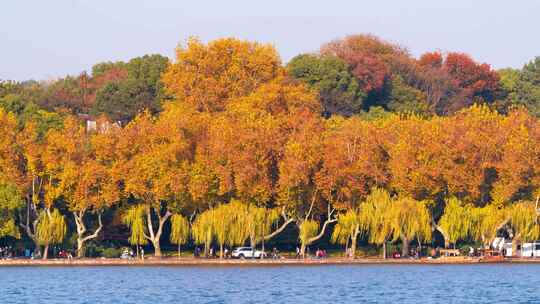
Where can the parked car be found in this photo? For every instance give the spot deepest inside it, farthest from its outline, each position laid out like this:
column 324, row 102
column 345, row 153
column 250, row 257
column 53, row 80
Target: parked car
column 247, row 253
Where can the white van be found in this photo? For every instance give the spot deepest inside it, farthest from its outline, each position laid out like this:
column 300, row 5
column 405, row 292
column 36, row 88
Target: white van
column 530, row 250
column 503, row 245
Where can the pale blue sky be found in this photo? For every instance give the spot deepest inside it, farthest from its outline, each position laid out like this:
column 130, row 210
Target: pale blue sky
column 46, row 39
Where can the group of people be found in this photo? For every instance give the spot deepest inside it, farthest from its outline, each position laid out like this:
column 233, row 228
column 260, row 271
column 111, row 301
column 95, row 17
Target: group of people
column 6, row 252
column 65, row 254
column 319, row 253
column 129, row 254
column 211, row 253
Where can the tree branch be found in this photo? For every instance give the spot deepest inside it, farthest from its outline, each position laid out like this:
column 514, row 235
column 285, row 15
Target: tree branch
column 279, row 230
column 98, row 230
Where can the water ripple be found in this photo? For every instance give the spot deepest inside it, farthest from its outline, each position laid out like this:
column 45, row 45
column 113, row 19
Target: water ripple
column 316, row 284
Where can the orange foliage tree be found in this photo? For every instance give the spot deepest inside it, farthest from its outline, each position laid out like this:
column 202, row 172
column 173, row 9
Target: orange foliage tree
column 206, row 76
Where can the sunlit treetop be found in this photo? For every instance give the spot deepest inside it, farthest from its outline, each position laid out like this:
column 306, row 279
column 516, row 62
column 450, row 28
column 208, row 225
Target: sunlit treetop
column 206, row 75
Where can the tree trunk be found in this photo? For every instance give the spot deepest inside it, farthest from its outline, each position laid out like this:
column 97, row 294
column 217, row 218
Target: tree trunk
column 445, row 236
column 404, row 247
column 221, row 251
column 515, row 243
column 252, row 242
column 419, row 251
column 30, row 226
column 155, row 236
column 37, row 247
column 81, row 230
column 46, row 251
column 384, row 250
column 303, row 250
column 353, row 242
column 80, row 248
column 157, row 248
column 353, row 246
column 178, row 250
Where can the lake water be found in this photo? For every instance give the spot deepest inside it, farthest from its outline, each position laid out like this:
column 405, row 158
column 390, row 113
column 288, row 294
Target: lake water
column 278, row 284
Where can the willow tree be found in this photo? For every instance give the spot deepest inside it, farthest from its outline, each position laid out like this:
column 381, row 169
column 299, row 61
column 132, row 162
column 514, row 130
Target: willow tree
column 51, row 229
column 524, row 220
column 346, row 231
column 487, row 221
column 179, row 230
column 456, row 222
column 202, row 229
column 219, row 224
column 225, row 230
column 260, row 223
column 233, row 224
column 409, row 219
column 307, row 231
column 135, row 220
column 375, row 218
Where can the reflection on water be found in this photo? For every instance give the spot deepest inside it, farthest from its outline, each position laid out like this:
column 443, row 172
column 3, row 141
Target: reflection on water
column 281, row 284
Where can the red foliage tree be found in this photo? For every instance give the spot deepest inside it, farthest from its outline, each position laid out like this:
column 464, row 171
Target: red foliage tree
column 370, row 58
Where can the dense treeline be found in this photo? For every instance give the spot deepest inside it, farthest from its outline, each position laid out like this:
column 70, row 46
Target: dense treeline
column 227, row 146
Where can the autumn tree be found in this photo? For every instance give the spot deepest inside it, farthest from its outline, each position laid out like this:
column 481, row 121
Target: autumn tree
column 80, row 165
column 455, row 81
column 299, row 191
column 154, row 162
column 206, row 75
column 32, row 182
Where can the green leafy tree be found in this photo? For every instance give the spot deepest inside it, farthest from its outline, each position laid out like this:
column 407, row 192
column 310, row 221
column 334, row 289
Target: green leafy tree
column 522, row 87
column 140, row 90
column 405, row 98
column 338, row 89
column 10, row 202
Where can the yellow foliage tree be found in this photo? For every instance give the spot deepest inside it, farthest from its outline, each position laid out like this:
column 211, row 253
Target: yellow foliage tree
column 206, row 76
column 179, row 230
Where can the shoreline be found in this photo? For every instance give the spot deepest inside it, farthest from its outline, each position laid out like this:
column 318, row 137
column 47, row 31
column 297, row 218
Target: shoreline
column 269, row 262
